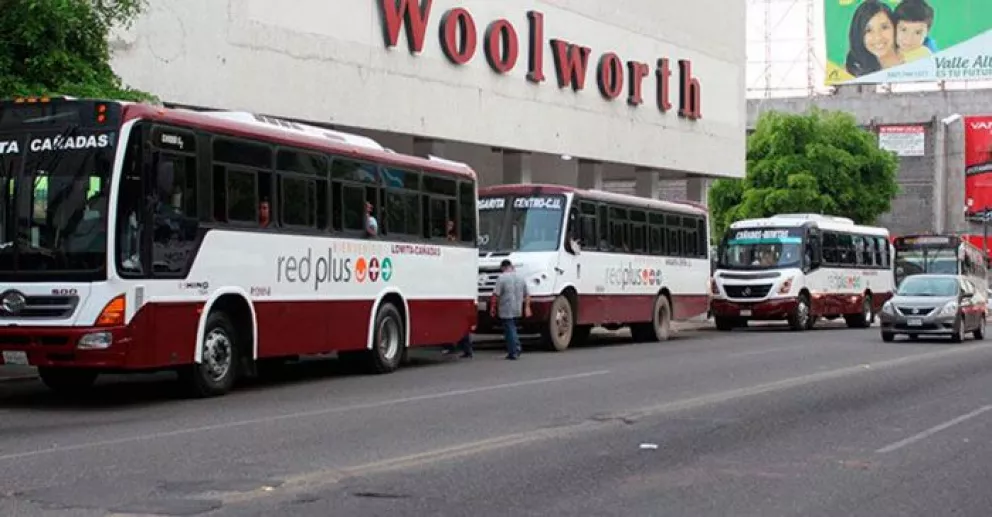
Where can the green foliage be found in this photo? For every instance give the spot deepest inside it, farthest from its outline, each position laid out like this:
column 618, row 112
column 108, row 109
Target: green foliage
column 60, row 47
column 820, row 162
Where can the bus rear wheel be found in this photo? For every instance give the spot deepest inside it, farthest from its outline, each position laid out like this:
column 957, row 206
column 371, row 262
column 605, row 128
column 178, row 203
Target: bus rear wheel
column 660, row 327
column 217, row 370
column 560, row 329
column 388, row 340
column 67, row 381
column 865, row 318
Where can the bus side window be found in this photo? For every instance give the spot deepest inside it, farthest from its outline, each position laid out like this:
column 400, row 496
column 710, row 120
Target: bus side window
column 176, row 225
column 813, row 251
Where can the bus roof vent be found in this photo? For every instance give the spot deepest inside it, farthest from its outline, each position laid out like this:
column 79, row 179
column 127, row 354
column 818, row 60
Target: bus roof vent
column 296, row 128
column 816, row 217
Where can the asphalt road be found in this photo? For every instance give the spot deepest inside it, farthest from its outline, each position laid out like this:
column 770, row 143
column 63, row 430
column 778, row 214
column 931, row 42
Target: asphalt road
column 761, row 423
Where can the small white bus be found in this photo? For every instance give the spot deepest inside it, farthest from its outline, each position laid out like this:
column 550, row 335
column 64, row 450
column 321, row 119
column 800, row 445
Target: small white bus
column 801, row 267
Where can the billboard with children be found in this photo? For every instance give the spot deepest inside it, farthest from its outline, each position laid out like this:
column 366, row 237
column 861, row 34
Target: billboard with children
column 901, row 41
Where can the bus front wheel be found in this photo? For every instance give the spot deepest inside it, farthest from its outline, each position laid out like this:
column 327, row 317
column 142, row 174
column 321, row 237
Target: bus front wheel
column 558, row 332
column 217, row 370
column 801, row 319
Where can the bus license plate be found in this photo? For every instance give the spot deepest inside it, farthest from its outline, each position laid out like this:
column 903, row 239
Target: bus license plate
column 745, row 313
column 915, row 322
column 15, row 358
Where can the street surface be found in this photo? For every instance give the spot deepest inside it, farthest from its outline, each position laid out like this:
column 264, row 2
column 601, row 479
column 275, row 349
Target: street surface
column 756, row 423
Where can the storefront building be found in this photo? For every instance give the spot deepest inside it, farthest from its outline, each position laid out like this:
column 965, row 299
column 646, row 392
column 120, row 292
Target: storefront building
column 580, row 92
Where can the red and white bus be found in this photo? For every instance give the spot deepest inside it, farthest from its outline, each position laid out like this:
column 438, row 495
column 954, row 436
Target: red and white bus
column 941, row 254
column 594, row 258
column 140, row 238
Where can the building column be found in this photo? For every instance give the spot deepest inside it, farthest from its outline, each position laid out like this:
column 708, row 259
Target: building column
column 939, row 193
column 647, row 182
column 697, row 190
column 425, row 147
column 954, row 180
column 516, row 167
column 590, row 175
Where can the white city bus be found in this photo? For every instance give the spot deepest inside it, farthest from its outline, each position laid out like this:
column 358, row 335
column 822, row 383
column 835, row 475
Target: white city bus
column 594, row 258
column 139, row 238
column 800, row 267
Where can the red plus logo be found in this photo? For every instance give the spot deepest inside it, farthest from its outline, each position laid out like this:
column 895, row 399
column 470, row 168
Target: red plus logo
column 373, row 269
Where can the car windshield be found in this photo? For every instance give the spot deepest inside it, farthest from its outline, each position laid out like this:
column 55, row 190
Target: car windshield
column 509, row 223
column 53, row 202
column 929, row 286
column 761, row 249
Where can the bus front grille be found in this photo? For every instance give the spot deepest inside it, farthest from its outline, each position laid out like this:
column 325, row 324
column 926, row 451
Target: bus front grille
column 44, row 307
column 747, row 291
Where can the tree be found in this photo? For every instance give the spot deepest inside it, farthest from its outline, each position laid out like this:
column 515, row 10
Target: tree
column 60, row 47
column 818, row 162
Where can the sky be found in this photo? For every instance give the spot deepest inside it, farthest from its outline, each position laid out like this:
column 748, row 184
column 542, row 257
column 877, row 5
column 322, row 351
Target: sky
column 791, row 51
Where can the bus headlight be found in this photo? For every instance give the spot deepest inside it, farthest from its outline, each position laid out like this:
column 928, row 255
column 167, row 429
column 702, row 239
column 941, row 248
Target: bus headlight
column 786, row 287
column 714, row 289
column 96, row 341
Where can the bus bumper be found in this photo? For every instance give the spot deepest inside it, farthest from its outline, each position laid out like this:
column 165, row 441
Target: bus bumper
column 774, row 309
column 65, row 347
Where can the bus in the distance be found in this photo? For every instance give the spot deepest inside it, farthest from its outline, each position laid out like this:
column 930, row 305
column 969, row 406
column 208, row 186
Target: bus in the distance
column 137, row 238
column 593, row 258
column 940, row 254
column 801, row 267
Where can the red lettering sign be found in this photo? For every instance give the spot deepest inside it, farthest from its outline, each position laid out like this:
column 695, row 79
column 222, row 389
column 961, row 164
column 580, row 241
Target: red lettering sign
column 502, row 46
column 459, row 40
column 396, row 12
column 459, row 37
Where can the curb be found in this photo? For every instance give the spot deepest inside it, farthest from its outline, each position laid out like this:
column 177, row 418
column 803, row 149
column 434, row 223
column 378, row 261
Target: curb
column 679, row 327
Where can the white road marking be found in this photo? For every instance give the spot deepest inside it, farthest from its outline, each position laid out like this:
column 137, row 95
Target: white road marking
column 299, row 415
column 933, row 430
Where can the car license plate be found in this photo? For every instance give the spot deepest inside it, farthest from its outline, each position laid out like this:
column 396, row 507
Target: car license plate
column 15, row 358
column 914, row 322
column 483, row 305
column 745, row 313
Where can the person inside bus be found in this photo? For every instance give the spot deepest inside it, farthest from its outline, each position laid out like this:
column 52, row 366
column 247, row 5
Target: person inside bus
column 371, row 225
column 264, row 214
column 449, row 230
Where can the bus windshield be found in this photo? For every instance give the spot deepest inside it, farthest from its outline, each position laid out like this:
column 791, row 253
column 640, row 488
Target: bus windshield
column 765, row 248
column 54, row 187
column 916, row 261
column 520, row 223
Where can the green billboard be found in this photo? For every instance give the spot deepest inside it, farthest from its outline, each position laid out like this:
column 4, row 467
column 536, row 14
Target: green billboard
column 902, row 41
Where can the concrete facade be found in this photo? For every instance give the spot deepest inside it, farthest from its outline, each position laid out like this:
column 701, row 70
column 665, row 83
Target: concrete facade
column 364, row 66
column 932, row 197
